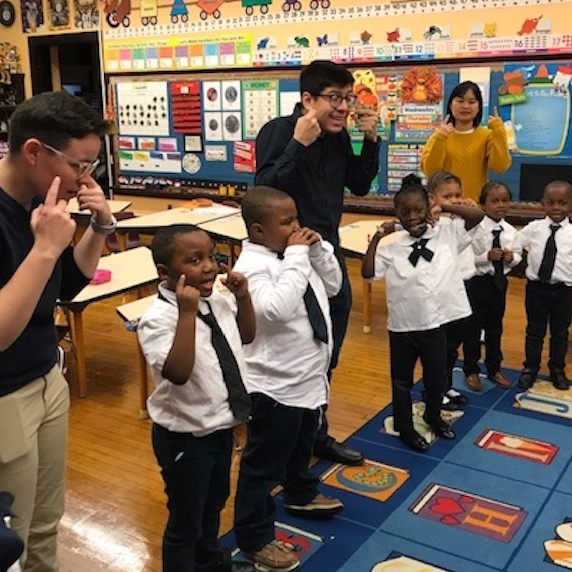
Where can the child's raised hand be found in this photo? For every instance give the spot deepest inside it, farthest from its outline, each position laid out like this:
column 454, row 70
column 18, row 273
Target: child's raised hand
column 187, row 296
column 496, row 254
column 386, row 227
column 446, row 126
column 507, row 255
column 235, row 282
column 468, row 202
column 434, row 214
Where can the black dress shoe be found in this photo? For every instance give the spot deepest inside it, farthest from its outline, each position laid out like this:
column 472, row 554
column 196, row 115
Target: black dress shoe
column 412, row 439
column 338, row 452
column 450, row 403
column 527, row 378
column 458, row 399
column 559, row 379
column 441, row 428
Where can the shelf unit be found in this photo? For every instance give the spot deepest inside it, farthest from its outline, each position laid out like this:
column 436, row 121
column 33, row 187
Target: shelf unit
column 11, row 94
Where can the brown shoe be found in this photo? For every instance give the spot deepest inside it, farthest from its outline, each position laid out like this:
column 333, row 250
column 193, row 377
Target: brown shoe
column 276, row 555
column 473, row 382
column 500, row 379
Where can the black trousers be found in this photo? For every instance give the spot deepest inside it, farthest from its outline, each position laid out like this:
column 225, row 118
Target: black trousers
column 405, row 348
column 488, row 303
column 455, row 332
column 547, row 304
column 340, row 306
column 278, row 450
column 196, row 472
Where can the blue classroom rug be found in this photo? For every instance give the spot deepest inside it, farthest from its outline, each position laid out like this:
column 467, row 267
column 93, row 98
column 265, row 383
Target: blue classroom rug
column 497, row 498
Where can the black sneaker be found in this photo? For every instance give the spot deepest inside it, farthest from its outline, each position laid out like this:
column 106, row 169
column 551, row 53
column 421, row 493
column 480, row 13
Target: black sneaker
column 527, row 378
column 559, row 379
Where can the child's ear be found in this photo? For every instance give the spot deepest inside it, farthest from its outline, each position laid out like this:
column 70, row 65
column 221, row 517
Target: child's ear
column 431, row 200
column 162, row 271
column 256, row 230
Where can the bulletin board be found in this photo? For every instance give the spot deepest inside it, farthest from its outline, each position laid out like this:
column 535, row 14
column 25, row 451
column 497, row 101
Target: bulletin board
column 199, row 130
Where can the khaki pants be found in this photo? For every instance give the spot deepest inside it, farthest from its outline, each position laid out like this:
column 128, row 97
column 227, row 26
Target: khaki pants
column 33, row 444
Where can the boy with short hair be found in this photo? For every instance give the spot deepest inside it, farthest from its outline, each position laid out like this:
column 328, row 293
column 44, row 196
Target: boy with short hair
column 291, row 273
column 549, row 286
column 192, row 337
column 309, row 155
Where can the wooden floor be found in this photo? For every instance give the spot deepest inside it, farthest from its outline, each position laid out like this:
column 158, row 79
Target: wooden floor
column 115, row 503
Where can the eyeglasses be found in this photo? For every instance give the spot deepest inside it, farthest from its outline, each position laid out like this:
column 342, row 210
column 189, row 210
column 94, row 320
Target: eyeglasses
column 83, row 168
column 336, row 99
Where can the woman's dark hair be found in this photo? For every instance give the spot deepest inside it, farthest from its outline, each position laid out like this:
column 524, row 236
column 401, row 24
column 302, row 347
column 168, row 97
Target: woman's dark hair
column 411, row 184
column 460, row 91
column 490, row 186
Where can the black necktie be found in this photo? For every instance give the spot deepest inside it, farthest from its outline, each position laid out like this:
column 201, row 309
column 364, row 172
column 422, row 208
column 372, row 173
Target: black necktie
column 549, row 256
column 498, row 265
column 420, row 249
column 315, row 315
column 239, row 400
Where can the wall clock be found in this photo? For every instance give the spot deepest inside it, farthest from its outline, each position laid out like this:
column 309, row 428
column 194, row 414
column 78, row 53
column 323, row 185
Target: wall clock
column 6, row 13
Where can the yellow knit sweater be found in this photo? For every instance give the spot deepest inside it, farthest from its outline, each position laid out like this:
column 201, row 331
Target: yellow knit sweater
column 468, row 155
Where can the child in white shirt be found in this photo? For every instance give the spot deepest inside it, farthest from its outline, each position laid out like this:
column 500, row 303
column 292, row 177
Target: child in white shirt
column 445, row 188
column 425, row 291
column 549, row 285
column 487, row 289
column 288, row 365
column 199, row 395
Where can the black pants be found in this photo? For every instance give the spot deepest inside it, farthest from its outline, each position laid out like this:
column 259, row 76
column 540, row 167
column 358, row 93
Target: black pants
column 278, row 450
column 196, row 472
column 456, row 333
column 488, row 303
column 547, row 304
column 340, row 306
column 405, row 348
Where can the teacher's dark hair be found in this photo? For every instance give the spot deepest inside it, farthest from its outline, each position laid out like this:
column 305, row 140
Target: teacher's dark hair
column 460, row 91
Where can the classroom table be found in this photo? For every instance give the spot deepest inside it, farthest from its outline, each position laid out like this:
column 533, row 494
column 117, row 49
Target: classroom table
column 354, row 240
column 130, row 269
column 115, row 207
column 150, row 223
column 131, row 312
column 230, row 229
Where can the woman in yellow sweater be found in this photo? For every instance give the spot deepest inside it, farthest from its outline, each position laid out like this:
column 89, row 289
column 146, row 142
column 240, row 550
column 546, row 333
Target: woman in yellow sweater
column 462, row 147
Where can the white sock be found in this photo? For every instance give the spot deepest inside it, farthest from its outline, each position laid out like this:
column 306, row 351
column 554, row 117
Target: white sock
column 452, row 393
column 445, row 400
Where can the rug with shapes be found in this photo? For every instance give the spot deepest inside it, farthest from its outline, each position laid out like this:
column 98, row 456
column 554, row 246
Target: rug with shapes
column 496, row 498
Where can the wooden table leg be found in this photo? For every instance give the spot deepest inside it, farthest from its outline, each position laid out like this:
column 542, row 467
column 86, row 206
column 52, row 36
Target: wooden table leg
column 143, row 386
column 122, row 240
column 79, row 346
column 366, row 306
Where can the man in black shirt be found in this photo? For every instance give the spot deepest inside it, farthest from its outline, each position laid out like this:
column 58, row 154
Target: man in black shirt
column 54, row 141
column 309, row 156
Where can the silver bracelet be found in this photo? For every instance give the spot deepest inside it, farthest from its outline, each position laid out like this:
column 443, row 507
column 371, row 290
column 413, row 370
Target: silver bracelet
column 104, row 229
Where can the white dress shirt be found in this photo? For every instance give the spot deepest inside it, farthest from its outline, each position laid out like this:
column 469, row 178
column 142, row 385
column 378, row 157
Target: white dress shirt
column 533, row 238
column 285, row 361
column 431, row 294
column 200, row 406
column 507, row 236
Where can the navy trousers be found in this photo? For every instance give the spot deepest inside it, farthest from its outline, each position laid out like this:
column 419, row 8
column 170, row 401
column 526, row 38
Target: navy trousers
column 278, row 451
column 196, row 472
